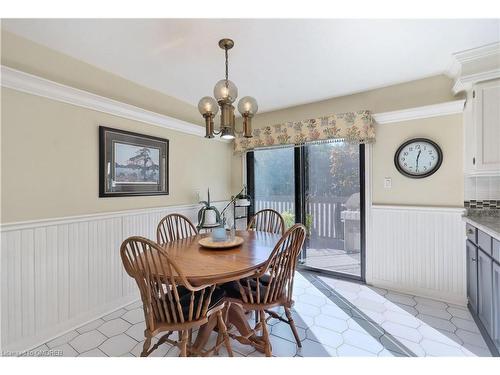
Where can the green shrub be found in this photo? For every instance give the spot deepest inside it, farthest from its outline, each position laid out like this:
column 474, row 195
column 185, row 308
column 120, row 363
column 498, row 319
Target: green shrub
column 289, row 219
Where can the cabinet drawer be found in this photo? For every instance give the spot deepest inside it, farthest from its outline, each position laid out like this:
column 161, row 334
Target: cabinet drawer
column 471, row 233
column 495, row 252
column 484, row 242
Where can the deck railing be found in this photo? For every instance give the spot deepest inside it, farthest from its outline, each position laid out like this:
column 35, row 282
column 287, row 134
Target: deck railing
column 324, row 213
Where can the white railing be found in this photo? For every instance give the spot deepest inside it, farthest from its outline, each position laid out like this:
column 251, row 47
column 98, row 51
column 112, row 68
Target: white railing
column 324, row 213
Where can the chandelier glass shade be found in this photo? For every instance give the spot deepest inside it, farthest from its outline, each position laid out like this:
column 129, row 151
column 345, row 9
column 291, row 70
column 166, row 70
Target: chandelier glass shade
column 225, row 94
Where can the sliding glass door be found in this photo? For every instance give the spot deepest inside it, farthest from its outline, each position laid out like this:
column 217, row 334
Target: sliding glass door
column 322, row 186
column 274, row 185
column 333, row 212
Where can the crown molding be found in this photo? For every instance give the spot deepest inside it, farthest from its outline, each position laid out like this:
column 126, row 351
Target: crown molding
column 428, row 111
column 465, row 83
column 474, row 59
column 35, row 85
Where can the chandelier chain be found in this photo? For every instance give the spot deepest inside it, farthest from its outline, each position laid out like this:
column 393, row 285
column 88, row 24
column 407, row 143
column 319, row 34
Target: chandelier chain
column 227, row 67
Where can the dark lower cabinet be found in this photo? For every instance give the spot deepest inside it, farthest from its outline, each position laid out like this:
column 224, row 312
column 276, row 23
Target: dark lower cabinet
column 496, row 305
column 485, row 290
column 472, row 275
column 483, row 285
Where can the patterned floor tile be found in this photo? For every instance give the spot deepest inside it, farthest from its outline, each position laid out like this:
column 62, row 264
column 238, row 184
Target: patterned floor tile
column 312, row 348
column 312, row 299
column 161, row 351
column 437, row 349
column 436, row 335
column 90, row 326
column 136, row 331
column 66, row 350
column 400, row 298
column 63, row 339
column 402, row 331
column 362, row 341
column 346, row 350
column 330, row 322
column 368, row 304
column 433, row 311
column 471, row 338
column 459, row 312
column 133, row 306
column 282, row 347
column 134, row 316
column 430, row 302
column 88, row 340
column 334, row 317
column 402, row 318
column 93, row 353
column 465, row 324
column 324, row 336
column 114, row 315
column 284, row 331
column 437, row 323
column 118, row 345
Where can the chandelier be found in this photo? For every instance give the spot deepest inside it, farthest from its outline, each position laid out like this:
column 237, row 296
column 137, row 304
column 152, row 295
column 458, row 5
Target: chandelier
column 225, row 93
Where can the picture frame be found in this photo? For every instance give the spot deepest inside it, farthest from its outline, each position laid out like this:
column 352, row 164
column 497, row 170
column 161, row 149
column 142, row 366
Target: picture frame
column 132, row 164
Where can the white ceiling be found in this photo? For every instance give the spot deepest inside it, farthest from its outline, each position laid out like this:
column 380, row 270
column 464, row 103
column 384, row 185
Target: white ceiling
column 280, row 62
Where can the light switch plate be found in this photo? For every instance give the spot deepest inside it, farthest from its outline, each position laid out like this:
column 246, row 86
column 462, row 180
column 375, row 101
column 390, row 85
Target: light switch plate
column 387, row 183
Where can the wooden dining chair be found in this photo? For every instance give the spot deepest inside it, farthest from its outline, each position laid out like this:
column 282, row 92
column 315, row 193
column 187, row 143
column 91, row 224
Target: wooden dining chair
column 267, row 220
column 174, row 227
column 170, row 302
column 270, row 286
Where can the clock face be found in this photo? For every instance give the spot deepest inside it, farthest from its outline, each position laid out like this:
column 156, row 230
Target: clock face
column 418, row 158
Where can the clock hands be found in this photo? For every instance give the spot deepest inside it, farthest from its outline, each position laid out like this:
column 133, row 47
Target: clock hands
column 416, row 167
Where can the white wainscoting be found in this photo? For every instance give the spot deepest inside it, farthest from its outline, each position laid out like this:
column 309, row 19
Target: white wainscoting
column 420, row 250
column 59, row 274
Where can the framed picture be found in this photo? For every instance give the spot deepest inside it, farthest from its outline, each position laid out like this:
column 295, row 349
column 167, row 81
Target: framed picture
column 131, row 164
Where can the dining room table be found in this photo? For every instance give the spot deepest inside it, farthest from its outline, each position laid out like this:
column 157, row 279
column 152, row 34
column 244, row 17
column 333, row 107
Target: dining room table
column 218, row 265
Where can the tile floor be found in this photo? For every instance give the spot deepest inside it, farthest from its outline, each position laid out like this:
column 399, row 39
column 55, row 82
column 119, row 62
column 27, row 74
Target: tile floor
column 333, row 317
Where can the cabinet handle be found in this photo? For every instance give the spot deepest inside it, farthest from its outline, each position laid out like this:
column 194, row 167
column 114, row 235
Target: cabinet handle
column 470, row 231
column 473, row 259
column 473, row 161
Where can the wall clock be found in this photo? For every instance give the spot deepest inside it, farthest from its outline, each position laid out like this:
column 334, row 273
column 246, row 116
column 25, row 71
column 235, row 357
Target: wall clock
column 418, row 158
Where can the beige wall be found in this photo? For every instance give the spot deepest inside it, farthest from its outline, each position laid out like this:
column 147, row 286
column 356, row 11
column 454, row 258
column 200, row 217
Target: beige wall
column 50, row 157
column 23, row 54
column 49, row 149
column 445, row 188
column 49, row 131
column 418, row 93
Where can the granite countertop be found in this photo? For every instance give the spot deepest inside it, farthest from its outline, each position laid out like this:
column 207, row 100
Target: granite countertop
column 489, row 224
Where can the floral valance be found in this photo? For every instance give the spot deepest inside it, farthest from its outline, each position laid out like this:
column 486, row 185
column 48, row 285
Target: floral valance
column 351, row 126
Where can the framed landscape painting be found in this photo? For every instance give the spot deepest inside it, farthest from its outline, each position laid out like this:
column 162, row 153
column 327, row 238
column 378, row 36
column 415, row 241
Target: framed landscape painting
column 131, row 164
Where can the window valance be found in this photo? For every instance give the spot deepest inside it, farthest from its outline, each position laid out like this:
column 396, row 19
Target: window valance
column 351, row 126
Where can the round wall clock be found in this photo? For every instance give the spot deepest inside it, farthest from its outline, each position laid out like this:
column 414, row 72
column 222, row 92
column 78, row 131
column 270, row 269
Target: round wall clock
column 418, row 158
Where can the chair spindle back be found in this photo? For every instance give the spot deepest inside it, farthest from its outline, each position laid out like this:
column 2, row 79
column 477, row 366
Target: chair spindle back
column 267, row 220
column 174, row 227
column 159, row 280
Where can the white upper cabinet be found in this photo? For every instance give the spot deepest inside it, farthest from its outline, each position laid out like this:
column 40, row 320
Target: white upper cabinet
column 482, row 130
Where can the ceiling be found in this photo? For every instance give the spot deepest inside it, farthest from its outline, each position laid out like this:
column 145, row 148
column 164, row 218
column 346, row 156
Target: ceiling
column 280, row 62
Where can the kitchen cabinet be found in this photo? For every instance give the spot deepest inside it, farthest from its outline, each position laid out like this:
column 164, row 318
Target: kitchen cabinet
column 482, row 129
column 472, row 275
column 483, row 283
column 496, row 305
column 484, row 290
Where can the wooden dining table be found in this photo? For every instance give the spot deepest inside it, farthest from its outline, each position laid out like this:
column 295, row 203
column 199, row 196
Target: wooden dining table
column 217, row 266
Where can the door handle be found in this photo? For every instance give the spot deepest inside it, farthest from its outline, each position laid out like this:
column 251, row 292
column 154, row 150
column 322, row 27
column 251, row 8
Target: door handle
column 470, row 231
column 473, row 259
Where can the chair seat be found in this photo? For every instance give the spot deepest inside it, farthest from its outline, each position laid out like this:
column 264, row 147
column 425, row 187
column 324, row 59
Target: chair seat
column 185, row 300
column 232, row 289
